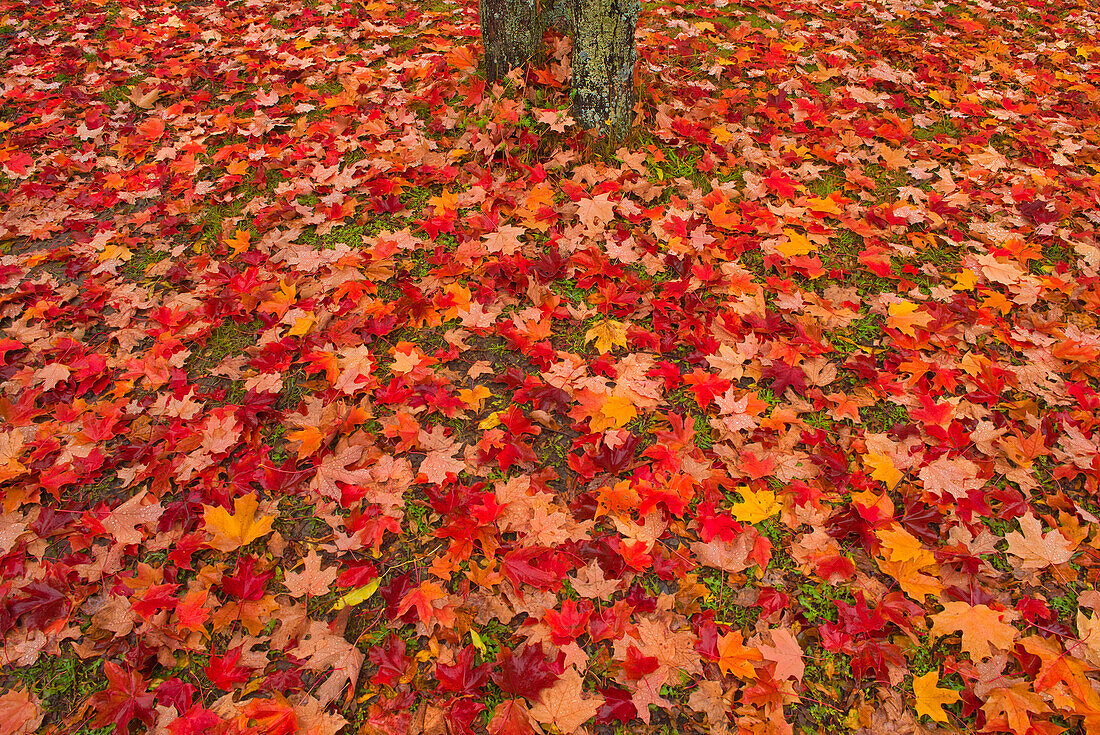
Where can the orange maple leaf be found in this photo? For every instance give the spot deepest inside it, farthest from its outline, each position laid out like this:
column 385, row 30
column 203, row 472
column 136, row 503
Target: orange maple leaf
column 230, row 532
column 310, row 438
column 980, row 626
column 1013, row 707
column 735, row 658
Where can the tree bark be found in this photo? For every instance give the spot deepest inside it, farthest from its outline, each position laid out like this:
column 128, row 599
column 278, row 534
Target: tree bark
column 603, row 64
column 511, row 31
column 603, row 51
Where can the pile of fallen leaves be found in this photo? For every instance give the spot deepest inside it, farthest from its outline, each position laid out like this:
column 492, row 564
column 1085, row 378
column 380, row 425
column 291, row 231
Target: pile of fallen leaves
column 341, row 391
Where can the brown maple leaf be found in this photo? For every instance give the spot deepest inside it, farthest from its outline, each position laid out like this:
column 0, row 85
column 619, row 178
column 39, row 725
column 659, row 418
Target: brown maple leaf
column 312, row 580
column 334, row 468
column 565, row 705
column 124, row 520
column 323, row 650
column 20, row 713
column 1037, row 550
column 786, row 653
column 596, row 212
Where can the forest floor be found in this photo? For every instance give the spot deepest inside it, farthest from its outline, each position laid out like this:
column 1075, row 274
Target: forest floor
column 342, row 391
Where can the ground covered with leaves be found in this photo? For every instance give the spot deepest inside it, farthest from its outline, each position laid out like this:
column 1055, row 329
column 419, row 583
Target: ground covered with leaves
column 342, row 391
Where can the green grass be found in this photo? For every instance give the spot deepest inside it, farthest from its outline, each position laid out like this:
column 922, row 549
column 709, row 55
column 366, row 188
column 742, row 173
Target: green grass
column 927, row 655
column 865, row 333
column 62, row 683
column 941, row 129
column 704, row 434
column 883, row 416
column 417, row 515
column 726, row 612
column 228, row 338
column 140, row 261
column 818, row 601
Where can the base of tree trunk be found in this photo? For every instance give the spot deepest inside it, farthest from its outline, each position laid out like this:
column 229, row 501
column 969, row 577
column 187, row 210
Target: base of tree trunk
column 603, row 64
column 511, row 31
column 604, row 52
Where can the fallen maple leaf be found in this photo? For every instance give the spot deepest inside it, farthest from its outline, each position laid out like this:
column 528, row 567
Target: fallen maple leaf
column 124, row 520
column 439, row 464
column 20, row 713
column 735, row 658
column 795, row 244
column 608, row 335
column 883, row 469
column 334, row 468
column 1037, row 550
column 596, row 212
column 52, row 374
column 1014, row 705
column 980, row 626
column 230, row 532
column 930, row 699
column 311, row 580
column 511, row 717
column 786, row 653
column 565, row 705
column 755, row 506
column 144, row 100
column 905, row 317
column 11, row 450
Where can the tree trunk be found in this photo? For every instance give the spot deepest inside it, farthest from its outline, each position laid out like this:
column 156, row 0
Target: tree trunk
column 603, row 64
column 603, row 51
column 511, row 31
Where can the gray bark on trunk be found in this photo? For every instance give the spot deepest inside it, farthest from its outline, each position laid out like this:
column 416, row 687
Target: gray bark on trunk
column 603, row 64
column 511, row 31
column 603, row 51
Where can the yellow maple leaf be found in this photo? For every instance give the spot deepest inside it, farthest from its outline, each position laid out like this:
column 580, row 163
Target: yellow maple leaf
column 474, row 398
column 491, row 421
column 904, row 317
column 539, row 197
column 941, row 96
column 281, row 300
column 930, row 699
column 239, row 167
column 882, row 469
column 608, row 334
column 965, row 280
column 824, row 205
column 230, row 532
column 356, row 596
column 755, row 506
column 997, row 300
column 616, row 411
column 302, row 325
column 796, row 244
column 913, row 582
column 898, row 545
column 445, row 202
column 725, row 214
column 115, row 252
